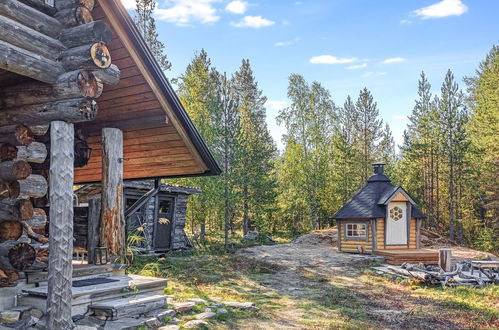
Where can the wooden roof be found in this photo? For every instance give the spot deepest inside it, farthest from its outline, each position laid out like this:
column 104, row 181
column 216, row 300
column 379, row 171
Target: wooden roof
column 159, row 138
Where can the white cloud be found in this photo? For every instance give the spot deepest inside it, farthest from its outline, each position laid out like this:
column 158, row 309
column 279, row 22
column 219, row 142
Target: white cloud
column 357, row 66
column 129, row 4
column 237, row 7
column 400, row 117
column 276, row 105
column 287, row 43
column 405, row 22
column 185, row 12
column 253, row 22
column 329, row 59
column 443, row 8
column 372, row 74
column 393, row 60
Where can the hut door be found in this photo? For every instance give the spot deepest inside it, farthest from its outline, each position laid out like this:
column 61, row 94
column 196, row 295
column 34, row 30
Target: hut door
column 396, row 223
column 163, row 224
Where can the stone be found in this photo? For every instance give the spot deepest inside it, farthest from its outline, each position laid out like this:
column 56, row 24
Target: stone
column 175, row 321
column 168, row 313
column 85, row 327
column 41, row 323
column 169, row 327
column 184, row 307
column 207, row 310
column 241, row 305
column 78, row 317
column 153, row 322
column 101, row 317
column 217, row 299
column 123, row 324
column 195, row 324
column 90, row 321
column 9, row 316
column 205, row 315
column 222, row 311
column 197, row 301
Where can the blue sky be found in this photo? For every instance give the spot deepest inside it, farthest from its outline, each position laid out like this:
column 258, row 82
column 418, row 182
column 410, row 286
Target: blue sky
column 344, row 44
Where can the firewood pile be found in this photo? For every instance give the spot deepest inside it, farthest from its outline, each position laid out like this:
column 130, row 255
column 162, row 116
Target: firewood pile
column 460, row 276
column 23, row 190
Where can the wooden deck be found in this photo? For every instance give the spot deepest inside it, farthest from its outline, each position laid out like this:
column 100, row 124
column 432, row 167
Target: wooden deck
column 413, row 256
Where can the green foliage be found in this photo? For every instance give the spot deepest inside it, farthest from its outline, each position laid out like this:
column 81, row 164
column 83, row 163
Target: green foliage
column 146, row 25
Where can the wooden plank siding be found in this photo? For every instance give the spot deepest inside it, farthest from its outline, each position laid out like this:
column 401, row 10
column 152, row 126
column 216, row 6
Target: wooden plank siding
column 153, row 145
column 350, row 245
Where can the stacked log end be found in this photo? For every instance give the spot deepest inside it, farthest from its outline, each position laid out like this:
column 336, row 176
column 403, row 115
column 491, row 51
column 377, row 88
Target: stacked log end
column 22, row 227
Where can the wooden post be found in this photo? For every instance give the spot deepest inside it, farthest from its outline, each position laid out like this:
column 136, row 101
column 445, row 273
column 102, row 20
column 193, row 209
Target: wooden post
column 60, row 269
column 445, row 259
column 418, row 233
column 94, row 205
column 112, row 229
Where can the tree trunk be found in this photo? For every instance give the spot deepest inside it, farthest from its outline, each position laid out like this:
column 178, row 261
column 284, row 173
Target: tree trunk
column 89, row 57
column 28, row 64
column 112, row 229
column 33, row 186
column 17, row 256
column 14, row 170
column 445, row 259
column 10, row 230
column 9, row 189
column 8, row 277
column 36, row 152
column 72, row 110
column 16, row 209
column 70, row 85
column 60, row 268
column 246, row 219
column 109, row 76
column 94, row 212
column 88, row 33
column 74, row 16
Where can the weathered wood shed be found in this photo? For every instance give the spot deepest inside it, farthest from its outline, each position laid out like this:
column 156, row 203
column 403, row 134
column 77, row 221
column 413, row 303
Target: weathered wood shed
column 159, row 221
column 380, row 216
column 82, row 100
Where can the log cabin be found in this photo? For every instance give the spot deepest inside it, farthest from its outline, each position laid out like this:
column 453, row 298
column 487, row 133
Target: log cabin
column 382, row 218
column 82, row 100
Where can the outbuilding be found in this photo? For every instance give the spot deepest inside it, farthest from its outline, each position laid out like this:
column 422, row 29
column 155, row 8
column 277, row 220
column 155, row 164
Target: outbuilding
column 380, row 216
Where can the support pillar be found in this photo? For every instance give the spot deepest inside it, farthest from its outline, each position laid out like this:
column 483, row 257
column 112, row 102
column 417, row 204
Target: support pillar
column 112, row 229
column 60, row 269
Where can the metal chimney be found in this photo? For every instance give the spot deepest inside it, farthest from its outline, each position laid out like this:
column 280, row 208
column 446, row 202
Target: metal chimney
column 378, row 167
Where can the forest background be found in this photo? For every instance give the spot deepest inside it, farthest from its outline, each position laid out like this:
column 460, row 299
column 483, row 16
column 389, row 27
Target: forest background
column 448, row 162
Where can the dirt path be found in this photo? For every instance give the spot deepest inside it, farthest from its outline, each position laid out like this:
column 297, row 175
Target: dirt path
column 323, row 288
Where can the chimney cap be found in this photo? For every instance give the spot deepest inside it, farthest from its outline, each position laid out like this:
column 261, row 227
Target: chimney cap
column 378, row 167
column 378, row 164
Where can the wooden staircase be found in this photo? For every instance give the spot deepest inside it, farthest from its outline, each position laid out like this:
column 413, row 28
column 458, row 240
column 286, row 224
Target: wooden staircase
column 124, row 296
column 412, row 256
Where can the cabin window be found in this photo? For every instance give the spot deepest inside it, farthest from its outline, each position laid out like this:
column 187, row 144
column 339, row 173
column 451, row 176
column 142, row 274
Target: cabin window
column 396, row 213
column 356, row 230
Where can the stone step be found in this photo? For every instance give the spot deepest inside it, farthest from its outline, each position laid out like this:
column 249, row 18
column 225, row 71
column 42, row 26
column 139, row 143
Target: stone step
column 127, row 285
column 128, row 307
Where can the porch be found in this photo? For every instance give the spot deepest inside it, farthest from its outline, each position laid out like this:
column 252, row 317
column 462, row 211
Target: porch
column 413, row 256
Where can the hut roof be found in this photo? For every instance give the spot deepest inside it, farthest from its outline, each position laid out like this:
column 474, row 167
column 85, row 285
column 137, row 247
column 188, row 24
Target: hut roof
column 370, row 201
column 160, row 140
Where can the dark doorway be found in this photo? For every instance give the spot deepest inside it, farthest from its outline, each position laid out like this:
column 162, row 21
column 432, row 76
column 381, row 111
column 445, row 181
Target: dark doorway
column 163, row 224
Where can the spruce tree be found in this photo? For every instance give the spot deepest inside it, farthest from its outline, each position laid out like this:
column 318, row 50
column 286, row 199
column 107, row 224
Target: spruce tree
column 146, row 25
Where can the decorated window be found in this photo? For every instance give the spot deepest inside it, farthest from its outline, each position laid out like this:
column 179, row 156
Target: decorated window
column 356, row 230
column 396, row 213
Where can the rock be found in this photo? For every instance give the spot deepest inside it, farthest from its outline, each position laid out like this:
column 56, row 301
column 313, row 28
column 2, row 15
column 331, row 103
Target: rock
column 222, row 311
column 184, row 307
column 84, row 327
column 169, row 327
column 195, row 324
column 78, row 317
column 197, row 301
column 41, row 323
column 36, row 313
column 208, row 310
column 168, row 313
column 123, row 324
column 9, row 316
column 101, row 317
column 90, row 321
column 241, row 305
column 256, row 236
column 205, row 315
column 153, row 322
column 218, row 299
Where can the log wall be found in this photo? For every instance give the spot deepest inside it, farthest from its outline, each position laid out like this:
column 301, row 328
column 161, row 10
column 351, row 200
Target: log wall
column 354, row 245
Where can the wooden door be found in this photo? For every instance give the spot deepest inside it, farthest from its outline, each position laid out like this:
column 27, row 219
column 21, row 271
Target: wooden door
column 396, row 223
column 163, row 223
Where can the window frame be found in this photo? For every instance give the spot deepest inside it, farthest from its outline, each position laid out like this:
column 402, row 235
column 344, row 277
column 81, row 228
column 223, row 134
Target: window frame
column 357, row 238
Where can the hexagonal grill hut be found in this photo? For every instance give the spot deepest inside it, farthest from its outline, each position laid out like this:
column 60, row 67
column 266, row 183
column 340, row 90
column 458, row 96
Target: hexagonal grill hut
column 380, row 216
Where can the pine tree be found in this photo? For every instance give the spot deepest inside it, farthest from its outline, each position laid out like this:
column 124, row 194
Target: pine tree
column 147, row 27
column 367, row 129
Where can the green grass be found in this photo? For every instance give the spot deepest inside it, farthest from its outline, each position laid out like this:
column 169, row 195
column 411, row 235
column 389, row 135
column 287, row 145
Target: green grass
column 337, row 302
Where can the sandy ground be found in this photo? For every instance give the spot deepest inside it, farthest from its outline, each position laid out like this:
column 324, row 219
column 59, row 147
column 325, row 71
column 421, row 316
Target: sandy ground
column 311, row 265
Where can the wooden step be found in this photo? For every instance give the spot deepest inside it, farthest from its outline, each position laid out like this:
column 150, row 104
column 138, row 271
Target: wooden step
column 78, row 271
column 126, row 286
column 128, row 307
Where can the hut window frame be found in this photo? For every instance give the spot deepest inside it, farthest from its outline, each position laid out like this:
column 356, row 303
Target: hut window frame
column 355, row 233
